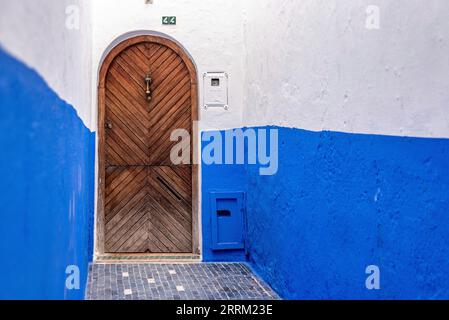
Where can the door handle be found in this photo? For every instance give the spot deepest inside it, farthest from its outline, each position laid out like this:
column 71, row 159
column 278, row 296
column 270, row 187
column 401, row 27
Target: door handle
column 108, row 125
column 148, row 81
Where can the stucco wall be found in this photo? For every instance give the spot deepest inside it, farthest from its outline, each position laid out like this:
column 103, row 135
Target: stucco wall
column 313, row 64
column 339, row 203
column 47, row 163
column 36, row 33
column 342, row 201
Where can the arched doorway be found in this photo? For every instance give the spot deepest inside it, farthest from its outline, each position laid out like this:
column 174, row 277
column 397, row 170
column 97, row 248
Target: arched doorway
column 146, row 204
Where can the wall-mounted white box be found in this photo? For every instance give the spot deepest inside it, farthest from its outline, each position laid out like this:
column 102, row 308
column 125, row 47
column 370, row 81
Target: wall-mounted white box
column 215, row 86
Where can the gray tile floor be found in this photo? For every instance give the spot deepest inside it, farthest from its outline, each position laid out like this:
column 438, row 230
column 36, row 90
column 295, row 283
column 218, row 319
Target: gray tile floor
column 196, row 281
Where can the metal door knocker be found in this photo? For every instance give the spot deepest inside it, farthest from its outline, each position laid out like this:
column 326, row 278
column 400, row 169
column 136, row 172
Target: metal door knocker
column 148, row 80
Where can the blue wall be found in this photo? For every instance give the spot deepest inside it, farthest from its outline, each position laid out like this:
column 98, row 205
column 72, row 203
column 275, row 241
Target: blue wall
column 46, row 187
column 219, row 178
column 341, row 202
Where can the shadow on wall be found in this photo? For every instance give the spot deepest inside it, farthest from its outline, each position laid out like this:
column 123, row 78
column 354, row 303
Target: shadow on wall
column 46, row 189
column 340, row 203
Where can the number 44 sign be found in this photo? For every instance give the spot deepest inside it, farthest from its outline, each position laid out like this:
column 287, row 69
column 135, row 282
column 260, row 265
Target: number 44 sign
column 169, row 20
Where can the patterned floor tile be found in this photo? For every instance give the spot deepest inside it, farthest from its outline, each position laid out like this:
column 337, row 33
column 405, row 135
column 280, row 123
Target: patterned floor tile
column 196, row 281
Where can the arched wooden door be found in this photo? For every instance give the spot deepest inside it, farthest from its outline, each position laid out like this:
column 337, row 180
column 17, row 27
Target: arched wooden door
column 145, row 198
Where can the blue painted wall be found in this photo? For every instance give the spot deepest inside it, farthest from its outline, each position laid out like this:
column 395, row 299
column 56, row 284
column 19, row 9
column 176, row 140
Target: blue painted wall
column 46, row 187
column 219, row 178
column 341, row 202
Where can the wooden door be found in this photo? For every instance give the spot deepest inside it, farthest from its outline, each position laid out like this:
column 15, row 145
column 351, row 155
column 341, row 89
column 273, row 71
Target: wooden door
column 147, row 199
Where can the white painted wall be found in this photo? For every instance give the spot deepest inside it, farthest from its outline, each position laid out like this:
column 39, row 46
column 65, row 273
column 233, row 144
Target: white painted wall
column 35, row 32
column 312, row 64
column 209, row 30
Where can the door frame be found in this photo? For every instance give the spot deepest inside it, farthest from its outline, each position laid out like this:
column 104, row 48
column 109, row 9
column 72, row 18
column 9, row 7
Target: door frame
column 105, row 65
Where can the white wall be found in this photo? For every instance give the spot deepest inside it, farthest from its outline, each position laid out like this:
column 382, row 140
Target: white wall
column 310, row 64
column 210, row 31
column 313, row 64
column 35, row 32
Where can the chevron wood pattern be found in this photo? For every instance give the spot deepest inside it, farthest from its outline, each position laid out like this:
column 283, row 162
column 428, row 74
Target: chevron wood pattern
column 170, row 194
column 147, row 200
column 171, row 105
column 126, row 209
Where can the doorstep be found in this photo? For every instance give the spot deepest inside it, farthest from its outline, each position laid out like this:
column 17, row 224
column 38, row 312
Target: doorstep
column 148, row 258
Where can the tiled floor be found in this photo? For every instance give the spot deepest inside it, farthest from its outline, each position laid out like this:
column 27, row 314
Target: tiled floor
column 194, row 281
